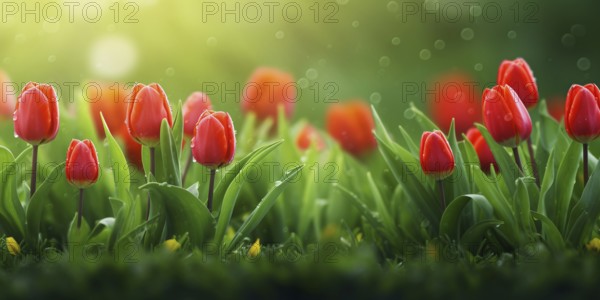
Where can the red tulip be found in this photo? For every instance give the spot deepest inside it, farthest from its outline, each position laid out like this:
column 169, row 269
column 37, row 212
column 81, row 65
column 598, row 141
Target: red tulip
column 148, row 106
column 7, row 98
column 213, row 144
column 36, row 114
column 517, row 74
column 266, row 90
column 582, row 113
column 505, row 116
column 133, row 149
column 556, row 108
column 486, row 158
column 309, row 135
column 455, row 97
column 436, row 156
column 82, row 164
column 351, row 124
column 193, row 108
column 110, row 100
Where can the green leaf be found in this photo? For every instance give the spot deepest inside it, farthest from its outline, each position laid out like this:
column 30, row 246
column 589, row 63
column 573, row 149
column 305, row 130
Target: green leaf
column 12, row 214
column 476, row 233
column 508, row 168
column 585, row 213
column 234, row 188
column 78, row 236
column 387, row 220
column 458, row 178
column 450, row 222
column 414, row 113
column 170, row 157
column 551, row 234
column 178, row 130
column 566, row 175
column 185, row 213
column 37, row 203
column 263, row 207
column 547, row 184
column 522, row 206
column 116, row 160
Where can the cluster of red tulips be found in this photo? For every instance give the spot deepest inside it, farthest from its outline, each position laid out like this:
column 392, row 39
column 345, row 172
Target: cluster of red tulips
column 506, row 117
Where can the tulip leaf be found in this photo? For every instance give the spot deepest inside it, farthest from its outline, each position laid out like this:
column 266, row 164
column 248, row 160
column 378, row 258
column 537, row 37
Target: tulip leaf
column 551, row 234
column 458, row 179
column 414, row 113
column 410, row 143
column 170, row 158
column 450, row 221
column 522, row 205
column 476, row 233
column 185, row 213
column 508, row 168
column 120, row 169
column 566, row 176
column 585, row 212
column 38, row 202
column 264, row 206
column 12, row 214
column 309, row 194
column 78, row 237
column 177, row 130
column 234, row 187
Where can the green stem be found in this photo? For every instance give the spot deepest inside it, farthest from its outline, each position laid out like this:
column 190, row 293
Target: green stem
column 80, row 209
column 518, row 159
column 533, row 164
column 186, row 169
column 440, row 184
column 585, row 164
column 211, row 187
column 34, row 158
column 152, row 170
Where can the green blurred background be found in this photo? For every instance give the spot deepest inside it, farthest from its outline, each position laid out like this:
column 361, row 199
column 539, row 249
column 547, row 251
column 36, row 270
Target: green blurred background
column 336, row 49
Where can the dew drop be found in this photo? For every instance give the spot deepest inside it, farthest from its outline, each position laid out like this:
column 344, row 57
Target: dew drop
column 312, row 74
column 375, row 98
column 170, row 72
column 425, row 54
column 508, row 117
column 584, row 64
column 277, row 183
column 409, row 114
column 467, row 34
column 512, row 34
column 392, row 6
column 439, row 44
column 279, row 34
column 478, row 67
column 568, row 40
column 355, row 24
column 384, row 61
column 396, row 41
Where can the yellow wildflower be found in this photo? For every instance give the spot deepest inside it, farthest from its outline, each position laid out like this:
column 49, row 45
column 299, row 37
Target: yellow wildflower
column 12, row 246
column 594, row 245
column 254, row 250
column 172, row 245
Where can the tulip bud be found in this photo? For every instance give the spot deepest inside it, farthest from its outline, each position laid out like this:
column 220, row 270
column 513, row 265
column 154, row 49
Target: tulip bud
column 517, row 74
column 351, row 124
column 12, row 246
column 484, row 153
column 82, row 164
column 455, row 97
column 172, row 245
column 254, row 250
column 266, row 90
column 309, row 135
column 7, row 96
column 436, row 155
column 36, row 114
column 111, row 101
column 505, row 116
column 193, row 108
column 582, row 113
column 148, row 106
column 213, row 143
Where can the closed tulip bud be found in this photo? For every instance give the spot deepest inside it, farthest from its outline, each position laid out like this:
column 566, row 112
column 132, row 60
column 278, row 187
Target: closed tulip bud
column 7, row 96
column 266, row 90
column 505, row 116
column 351, row 124
column 111, row 101
column 12, row 246
column 307, row 136
column 172, row 245
column 148, row 106
column 484, row 153
column 517, row 74
column 193, row 108
column 455, row 97
column 36, row 114
column 582, row 113
column 436, row 155
column 213, row 143
column 82, row 164
column 254, row 250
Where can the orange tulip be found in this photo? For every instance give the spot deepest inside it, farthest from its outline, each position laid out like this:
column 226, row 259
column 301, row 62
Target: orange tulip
column 307, row 136
column 148, row 106
column 266, row 90
column 82, row 167
column 193, row 108
column 110, row 100
column 36, row 114
column 7, row 98
column 351, row 124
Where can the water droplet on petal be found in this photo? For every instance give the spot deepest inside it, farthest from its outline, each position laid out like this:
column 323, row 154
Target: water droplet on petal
column 508, row 117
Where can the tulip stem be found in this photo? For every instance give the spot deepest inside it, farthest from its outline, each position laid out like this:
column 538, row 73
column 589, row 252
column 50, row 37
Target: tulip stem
column 80, row 209
column 517, row 158
column 34, row 157
column 211, row 186
column 440, row 184
column 186, row 169
column 585, row 164
column 533, row 164
column 152, row 169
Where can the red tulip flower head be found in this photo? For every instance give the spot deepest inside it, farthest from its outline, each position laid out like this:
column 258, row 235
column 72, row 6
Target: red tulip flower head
column 582, row 113
column 7, row 97
column 36, row 114
column 213, row 143
column 436, row 155
column 505, row 116
column 351, row 124
column 148, row 106
column 517, row 74
column 309, row 135
column 111, row 102
column 455, row 97
column 82, row 164
column 266, row 90
column 193, row 108
column 484, row 153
